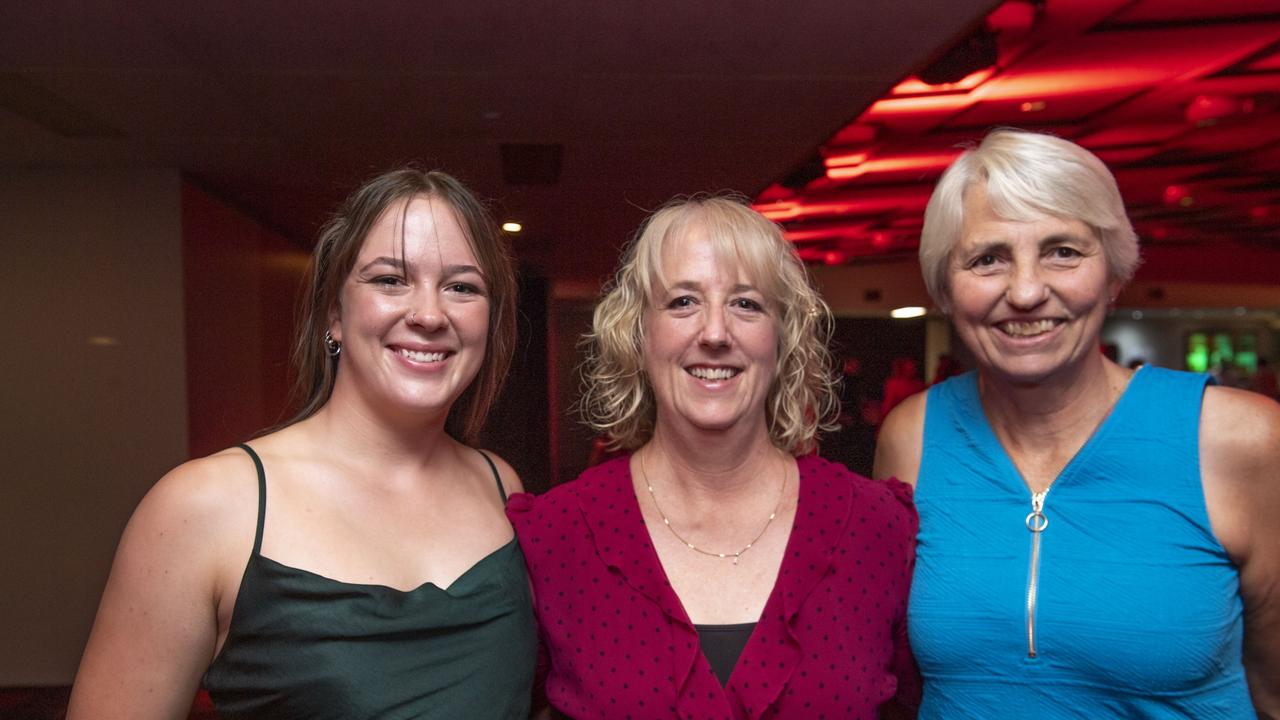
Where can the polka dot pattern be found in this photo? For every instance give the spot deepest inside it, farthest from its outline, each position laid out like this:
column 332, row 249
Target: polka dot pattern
column 830, row 643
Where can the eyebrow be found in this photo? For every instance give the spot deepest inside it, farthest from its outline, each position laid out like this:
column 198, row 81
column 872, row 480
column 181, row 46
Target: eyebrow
column 1047, row 241
column 1065, row 237
column 690, row 285
column 452, row 270
column 398, row 264
column 395, row 263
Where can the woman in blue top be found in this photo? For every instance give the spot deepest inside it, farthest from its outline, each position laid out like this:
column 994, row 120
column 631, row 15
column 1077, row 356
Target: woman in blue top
column 1092, row 539
column 357, row 562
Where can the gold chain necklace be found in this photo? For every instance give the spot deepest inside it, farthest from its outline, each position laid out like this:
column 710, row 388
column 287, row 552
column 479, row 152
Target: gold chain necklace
column 782, row 494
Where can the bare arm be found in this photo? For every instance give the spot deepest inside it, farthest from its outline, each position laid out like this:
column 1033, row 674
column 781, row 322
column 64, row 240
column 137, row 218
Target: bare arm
column 157, row 625
column 901, row 441
column 1240, row 465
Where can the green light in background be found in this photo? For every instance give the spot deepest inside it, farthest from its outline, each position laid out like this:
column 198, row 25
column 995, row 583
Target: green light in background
column 1197, row 352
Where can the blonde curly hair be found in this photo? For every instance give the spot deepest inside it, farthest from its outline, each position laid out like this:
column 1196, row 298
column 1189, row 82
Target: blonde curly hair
column 617, row 399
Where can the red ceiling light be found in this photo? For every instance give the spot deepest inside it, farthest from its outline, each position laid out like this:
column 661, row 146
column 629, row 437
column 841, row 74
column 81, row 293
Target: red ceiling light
column 1178, row 196
column 1208, row 110
column 915, row 86
column 918, row 104
column 1031, row 106
column 832, row 257
column 922, row 162
column 845, row 159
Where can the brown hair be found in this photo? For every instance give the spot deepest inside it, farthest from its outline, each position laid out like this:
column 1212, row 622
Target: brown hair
column 336, row 250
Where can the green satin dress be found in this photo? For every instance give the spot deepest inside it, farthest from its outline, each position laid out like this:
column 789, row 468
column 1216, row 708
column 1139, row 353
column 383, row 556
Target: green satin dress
column 303, row 646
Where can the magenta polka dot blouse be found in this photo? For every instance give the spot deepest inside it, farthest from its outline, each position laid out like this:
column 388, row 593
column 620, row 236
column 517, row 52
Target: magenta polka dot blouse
column 831, row 642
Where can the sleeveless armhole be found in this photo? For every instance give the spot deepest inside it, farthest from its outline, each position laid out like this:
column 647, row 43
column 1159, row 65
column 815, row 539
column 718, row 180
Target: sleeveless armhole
column 932, row 415
column 496, row 477
column 262, row 497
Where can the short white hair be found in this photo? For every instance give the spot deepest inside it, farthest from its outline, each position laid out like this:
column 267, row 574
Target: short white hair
column 1028, row 176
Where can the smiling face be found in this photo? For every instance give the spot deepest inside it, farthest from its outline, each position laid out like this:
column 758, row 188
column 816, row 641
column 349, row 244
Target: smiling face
column 1027, row 297
column 711, row 341
column 413, row 317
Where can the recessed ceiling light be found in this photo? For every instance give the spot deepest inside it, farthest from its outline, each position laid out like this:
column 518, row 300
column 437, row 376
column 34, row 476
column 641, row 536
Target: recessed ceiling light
column 512, row 227
column 103, row 340
column 911, row 311
column 1033, row 106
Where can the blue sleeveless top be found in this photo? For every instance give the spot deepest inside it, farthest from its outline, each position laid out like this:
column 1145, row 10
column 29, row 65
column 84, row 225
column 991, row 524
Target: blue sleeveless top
column 1126, row 606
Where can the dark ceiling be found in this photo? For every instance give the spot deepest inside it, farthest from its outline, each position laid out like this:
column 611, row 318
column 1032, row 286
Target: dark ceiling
column 280, row 107
column 1181, row 98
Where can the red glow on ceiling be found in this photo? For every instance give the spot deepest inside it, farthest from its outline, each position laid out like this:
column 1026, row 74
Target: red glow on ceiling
column 845, row 159
column 1181, row 99
column 903, row 163
column 1178, row 196
column 923, row 103
column 1210, row 109
column 916, row 86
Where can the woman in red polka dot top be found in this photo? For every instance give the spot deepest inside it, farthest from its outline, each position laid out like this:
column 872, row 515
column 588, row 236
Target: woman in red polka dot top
column 719, row 569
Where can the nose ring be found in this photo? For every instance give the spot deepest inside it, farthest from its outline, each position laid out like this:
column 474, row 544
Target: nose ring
column 411, row 317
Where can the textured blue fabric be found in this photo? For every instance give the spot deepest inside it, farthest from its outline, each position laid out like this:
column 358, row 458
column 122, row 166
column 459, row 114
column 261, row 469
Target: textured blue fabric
column 1139, row 612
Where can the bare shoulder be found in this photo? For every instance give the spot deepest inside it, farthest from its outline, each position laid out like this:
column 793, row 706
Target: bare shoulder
column 901, row 441
column 1239, row 457
column 1239, row 430
column 157, row 624
column 510, row 478
column 206, row 490
column 199, row 496
column 198, row 515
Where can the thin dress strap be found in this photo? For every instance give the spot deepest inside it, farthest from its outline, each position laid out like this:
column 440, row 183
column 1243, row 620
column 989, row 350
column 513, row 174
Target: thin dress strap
column 262, row 497
column 496, row 478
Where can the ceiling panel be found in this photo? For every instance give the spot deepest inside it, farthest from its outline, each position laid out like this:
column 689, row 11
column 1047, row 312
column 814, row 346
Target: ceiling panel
column 280, row 107
column 1182, row 100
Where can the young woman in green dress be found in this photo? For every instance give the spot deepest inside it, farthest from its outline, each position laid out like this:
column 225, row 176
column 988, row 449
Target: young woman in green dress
column 356, row 562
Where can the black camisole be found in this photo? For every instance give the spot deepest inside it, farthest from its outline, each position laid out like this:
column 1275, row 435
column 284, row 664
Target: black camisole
column 722, row 645
column 304, row 646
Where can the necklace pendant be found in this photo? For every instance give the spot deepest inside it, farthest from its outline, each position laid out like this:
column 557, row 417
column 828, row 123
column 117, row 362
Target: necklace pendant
column 735, row 558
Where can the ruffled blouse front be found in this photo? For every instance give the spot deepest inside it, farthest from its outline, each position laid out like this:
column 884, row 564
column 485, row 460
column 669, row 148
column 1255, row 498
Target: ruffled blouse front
column 830, row 642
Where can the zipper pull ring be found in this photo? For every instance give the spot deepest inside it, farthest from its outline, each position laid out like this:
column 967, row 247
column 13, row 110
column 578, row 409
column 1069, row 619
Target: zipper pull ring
column 1036, row 520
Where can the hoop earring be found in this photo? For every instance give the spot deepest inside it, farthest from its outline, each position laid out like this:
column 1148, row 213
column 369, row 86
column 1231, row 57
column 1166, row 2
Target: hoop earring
column 331, row 346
